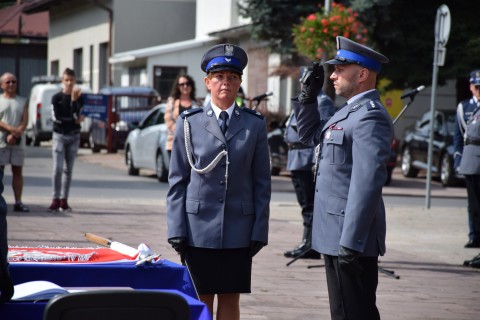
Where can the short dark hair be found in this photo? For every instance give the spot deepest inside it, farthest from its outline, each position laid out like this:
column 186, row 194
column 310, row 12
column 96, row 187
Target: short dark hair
column 69, row 72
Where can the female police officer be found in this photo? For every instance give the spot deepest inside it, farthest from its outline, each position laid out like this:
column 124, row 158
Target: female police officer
column 220, row 186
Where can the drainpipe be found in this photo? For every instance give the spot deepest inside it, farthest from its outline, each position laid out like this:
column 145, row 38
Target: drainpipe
column 110, row 28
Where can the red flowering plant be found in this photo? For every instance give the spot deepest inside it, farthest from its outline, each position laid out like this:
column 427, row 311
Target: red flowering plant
column 316, row 34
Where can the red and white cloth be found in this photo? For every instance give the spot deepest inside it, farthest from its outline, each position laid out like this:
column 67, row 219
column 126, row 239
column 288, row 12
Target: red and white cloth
column 65, row 255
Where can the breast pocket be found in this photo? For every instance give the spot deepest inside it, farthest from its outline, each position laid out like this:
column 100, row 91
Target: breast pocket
column 335, row 149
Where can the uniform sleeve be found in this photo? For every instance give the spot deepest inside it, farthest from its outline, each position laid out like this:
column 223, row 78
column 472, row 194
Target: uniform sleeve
column 372, row 137
column 458, row 134
column 178, row 179
column 261, row 185
column 309, row 123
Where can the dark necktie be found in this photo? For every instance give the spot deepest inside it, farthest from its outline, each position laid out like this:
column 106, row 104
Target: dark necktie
column 224, row 118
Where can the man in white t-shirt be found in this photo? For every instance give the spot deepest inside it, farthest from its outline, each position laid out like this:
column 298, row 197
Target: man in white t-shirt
column 13, row 121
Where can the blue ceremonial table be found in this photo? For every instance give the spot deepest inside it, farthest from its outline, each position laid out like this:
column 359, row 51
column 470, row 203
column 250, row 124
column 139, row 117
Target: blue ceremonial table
column 165, row 276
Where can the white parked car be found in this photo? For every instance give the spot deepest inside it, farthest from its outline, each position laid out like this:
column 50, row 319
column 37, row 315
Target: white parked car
column 145, row 147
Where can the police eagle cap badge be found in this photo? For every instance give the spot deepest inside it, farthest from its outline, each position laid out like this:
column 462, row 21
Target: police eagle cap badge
column 228, row 50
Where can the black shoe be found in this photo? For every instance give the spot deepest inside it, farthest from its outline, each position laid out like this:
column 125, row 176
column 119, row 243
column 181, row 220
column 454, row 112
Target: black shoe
column 474, row 263
column 20, row 207
column 306, row 252
column 311, row 254
column 472, row 244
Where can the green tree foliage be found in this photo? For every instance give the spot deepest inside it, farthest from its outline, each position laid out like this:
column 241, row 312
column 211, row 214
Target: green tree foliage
column 403, row 30
column 272, row 20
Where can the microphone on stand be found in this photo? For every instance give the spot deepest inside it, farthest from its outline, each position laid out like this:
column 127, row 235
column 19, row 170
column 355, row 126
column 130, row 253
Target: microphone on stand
column 412, row 93
column 262, row 96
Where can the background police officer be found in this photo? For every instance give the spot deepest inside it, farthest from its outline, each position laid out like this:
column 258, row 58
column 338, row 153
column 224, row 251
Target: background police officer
column 300, row 162
column 349, row 225
column 465, row 110
column 470, row 163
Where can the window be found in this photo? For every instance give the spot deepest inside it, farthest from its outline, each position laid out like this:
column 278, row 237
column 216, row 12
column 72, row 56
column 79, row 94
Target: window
column 103, row 65
column 54, row 68
column 78, row 62
column 135, row 76
column 90, row 76
column 164, row 77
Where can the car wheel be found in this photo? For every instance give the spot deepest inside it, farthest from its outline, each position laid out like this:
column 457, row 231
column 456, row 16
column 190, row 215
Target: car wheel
column 95, row 148
column 162, row 173
column 447, row 176
column 407, row 169
column 132, row 171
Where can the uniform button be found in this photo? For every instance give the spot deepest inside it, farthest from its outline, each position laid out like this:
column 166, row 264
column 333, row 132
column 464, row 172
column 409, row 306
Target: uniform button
column 222, row 183
column 316, row 190
column 224, row 146
column 220, row 200
column 342, row 211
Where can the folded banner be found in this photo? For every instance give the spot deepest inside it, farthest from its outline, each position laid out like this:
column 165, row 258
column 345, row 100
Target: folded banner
column 65, row 255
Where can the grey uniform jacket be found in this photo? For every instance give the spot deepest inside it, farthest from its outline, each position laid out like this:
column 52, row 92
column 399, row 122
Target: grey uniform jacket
column 348, row 208
column 470, row 164
column 203, row 207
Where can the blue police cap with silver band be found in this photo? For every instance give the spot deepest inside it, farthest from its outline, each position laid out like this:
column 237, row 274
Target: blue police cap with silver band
column 224, row 57
column 475, row 77
column 350, row 52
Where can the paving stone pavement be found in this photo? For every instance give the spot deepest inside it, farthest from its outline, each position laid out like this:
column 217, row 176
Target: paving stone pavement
column 424, row 247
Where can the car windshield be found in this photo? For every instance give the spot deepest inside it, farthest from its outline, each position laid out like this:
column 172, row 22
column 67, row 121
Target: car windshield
column 450, row 124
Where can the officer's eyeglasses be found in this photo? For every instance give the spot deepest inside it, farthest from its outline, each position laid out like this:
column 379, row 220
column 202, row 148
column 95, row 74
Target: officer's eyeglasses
column 11, row 82
column 184, row 84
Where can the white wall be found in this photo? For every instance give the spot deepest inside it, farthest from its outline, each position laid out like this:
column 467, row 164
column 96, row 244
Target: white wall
column 216, row 15
column 70, row 31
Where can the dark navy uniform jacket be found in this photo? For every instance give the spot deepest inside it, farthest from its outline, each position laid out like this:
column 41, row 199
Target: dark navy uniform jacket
column 205, row 208
column 348, row 208
column 301, row 157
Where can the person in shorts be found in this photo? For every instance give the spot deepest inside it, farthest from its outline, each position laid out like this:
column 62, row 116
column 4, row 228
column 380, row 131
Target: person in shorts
column 13, row 121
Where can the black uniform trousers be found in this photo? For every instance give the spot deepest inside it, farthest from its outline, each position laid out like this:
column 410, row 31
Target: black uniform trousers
column 472, row 183
column 352, row 297
column 305, row 190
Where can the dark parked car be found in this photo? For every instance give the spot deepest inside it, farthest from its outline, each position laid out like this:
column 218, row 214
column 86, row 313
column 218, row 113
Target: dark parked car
column 415, row 147
column 127, row 106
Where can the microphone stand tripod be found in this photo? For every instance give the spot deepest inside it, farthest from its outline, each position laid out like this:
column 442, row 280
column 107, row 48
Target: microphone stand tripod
column 387, row 272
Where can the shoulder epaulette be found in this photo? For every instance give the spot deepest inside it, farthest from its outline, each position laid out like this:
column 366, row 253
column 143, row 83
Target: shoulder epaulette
column 189, row 112
column 372, row 106
column 258, row 114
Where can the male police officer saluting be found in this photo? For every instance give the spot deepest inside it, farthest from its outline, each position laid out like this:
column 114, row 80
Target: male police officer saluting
column 349, row 214
column 220, row 185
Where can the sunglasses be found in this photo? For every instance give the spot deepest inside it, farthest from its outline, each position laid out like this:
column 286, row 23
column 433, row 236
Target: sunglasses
column 11, row 82
column 184, row 84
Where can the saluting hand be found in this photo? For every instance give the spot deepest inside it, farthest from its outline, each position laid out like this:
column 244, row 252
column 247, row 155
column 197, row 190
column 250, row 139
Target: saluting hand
column 312, row 83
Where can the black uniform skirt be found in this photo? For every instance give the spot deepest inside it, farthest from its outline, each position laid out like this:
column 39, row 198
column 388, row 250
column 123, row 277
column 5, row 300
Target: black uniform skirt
column 217, row 271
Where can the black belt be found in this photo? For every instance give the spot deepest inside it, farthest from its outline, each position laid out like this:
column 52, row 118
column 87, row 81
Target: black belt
column 298, row 145
column 472, row 141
